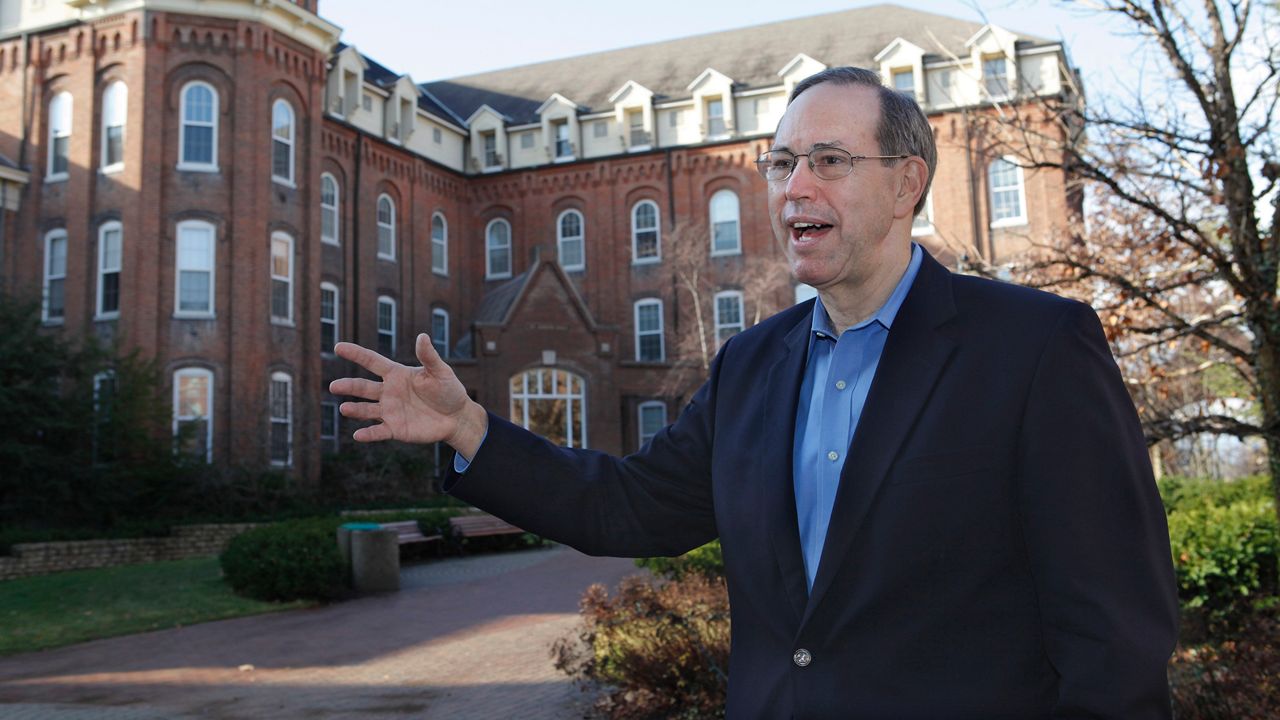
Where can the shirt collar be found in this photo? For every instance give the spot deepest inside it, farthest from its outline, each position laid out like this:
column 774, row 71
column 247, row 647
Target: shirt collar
column 821, row 324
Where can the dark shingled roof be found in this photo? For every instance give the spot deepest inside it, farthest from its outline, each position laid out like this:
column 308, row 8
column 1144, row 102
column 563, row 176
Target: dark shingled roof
column 6, row 162
column 751, row 56
column 378, row 74
column 497, row 302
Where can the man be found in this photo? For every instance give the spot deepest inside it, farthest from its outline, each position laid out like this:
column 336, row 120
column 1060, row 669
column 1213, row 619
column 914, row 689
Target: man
column 932, row 491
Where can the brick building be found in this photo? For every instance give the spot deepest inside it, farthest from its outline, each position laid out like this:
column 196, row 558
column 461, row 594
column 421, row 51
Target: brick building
column 231, row 188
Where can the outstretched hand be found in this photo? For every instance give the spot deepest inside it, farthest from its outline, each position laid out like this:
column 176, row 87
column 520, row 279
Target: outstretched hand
column 412, row 404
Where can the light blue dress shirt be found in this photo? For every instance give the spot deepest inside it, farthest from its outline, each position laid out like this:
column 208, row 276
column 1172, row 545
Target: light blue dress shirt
column 837, row 376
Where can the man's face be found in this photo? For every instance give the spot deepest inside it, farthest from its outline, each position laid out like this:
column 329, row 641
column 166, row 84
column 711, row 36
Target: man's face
column 854, row 213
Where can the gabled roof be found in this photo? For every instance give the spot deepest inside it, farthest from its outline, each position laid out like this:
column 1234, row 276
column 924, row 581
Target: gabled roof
column 752, row 56
column 499, row 304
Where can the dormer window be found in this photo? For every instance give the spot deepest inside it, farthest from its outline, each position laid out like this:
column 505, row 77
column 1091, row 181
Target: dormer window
column 489, row 140
column 995, row 77
column 635, row 125
column 904, row 81
column 715, row 117
column 564, row 148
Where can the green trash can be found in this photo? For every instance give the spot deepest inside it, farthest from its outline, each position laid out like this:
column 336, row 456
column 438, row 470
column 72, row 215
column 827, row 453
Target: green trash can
column 344, row 544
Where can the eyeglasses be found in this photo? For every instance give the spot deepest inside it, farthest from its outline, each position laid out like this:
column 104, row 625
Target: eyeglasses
column 828, row 163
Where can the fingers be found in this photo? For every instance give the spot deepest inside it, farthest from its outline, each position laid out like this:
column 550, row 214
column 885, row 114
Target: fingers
column 427, row 354
column 357, row 387
column 365, row 358
column 373, row 433
column 361, row 410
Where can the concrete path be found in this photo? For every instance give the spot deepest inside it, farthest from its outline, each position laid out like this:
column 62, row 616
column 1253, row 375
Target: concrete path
column 464, row 638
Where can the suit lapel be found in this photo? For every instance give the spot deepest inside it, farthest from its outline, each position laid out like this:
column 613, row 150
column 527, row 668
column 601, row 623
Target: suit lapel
column 913, row 358
column 781, row 396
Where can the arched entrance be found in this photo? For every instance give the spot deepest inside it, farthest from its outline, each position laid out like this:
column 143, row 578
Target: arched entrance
column 551, row 403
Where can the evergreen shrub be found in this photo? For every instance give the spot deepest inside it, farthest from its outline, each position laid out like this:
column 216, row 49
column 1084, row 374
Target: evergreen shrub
column 291, row 560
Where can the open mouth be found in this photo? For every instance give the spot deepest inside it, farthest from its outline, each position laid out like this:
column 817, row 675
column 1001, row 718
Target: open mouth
column 803, row 230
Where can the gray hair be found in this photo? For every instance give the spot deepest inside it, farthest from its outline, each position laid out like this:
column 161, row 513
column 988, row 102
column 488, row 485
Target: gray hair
column 903, row 128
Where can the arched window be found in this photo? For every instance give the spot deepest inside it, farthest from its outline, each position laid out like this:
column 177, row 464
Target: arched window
column 650, row 346
column 386, row 228
column 115, row 106
column 728, row 315
column 59, row 136
column 280, row 401
column 281, row 278
column 55, row 276
column 194, row 262
column 110, row 241
column 193, row 412
column 328, row 317
column 569, row 240
column 497, row 249
column 1008, row 195
column 198, row 129
column 387, row 326
column 726, row 238
column 646, row 244
column 551, row 403
column 328, row 209
column 440, row 331
column 652, row 418
column 439, row 244
column 282, row 135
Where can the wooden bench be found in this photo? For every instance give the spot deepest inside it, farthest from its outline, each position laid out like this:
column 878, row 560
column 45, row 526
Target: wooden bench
column 408, row 532
column 480, row 525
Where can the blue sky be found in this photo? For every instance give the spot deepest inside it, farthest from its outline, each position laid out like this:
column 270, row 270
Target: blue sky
column 433, row 40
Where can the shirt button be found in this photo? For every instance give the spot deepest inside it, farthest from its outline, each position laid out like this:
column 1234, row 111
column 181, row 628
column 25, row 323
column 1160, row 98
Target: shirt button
column 840, row 384
column 833, row 455
column 802, row 657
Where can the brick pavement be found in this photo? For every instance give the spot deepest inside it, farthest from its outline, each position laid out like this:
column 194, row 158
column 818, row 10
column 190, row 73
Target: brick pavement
column 464, row 638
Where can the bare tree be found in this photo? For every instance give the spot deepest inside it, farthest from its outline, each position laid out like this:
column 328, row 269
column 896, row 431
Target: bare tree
column 1176, row 244
column 698, row 277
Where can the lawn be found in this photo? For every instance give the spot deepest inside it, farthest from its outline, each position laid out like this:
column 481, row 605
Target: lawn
column 64, row 608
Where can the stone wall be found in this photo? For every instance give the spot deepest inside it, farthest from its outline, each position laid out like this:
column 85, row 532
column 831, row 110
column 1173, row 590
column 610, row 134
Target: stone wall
column 187, row 541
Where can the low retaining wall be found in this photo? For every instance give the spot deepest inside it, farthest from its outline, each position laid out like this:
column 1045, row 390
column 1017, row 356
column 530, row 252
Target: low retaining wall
column 187, row 541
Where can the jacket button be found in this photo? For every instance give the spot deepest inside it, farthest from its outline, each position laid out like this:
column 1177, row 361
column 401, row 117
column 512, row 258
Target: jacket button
column 802, row 657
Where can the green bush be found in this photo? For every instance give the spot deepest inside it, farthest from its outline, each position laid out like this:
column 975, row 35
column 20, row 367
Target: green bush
column 706, row 561
column 1226, row 547
column 292, row 560
column 661, row 651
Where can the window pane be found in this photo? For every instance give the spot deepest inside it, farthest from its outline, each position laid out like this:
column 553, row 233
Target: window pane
column 280, row 257
column 279, row 442
column 650, row 348
column 282, row 122
column 115, row 146
column 571, row 253
column 199, row 104
column 57, row 256
column 280, row 299
column 328, row 222
column 197, row 144
column 648, row 318
column 193, row 295
column 726, row 236
column 57, row 302
column 280, row 165
column 110, row 292
column 500, row 261
column 60, row 145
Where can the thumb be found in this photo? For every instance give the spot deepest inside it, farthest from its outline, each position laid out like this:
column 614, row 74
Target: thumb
column 426, row 353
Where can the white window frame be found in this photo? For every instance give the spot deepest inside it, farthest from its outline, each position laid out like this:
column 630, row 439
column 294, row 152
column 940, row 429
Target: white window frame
column 208, row 415
column 285, row 420
column 660, row 331
column 330, row 208
column 326, row 350
column 640, row 411
column 286, row 279
column 329, row 409
column 988, row 78
column 922, row 224
column 723, row 131
column 289, row 143
column 720, row 324
column 104, row 269
column 440, row 340
column 115, row 110
column 580, row 239
column 722, row 198
column 61, row 116
column 184, row 121
column 489, row 148
column 635, row 230
column 489, row 272
column 910, row 75
column 541, row 384
column 178, row 269
column 562, row 147
column 51, row 276
column 389, row 227
column 388, row 332
column 1020, row 186
column 440, row 245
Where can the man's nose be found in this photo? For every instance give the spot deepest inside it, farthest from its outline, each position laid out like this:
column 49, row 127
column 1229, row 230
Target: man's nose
column 802, row 180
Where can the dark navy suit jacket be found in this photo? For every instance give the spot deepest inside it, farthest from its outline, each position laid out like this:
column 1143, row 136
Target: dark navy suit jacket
column 997, row 547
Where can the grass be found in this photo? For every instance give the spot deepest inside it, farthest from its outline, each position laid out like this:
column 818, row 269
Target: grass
column 64, row 608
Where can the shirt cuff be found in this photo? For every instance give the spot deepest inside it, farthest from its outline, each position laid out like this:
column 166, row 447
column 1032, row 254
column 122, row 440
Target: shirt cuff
column 460, row 464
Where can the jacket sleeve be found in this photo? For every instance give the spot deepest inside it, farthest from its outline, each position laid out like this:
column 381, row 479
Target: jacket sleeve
column 1095, row 531
column 657, row 501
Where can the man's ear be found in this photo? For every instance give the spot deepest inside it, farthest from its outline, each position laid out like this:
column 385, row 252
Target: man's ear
column 911, row 186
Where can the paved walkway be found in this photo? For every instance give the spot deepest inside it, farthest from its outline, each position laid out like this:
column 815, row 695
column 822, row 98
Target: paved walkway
column 464, row 638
